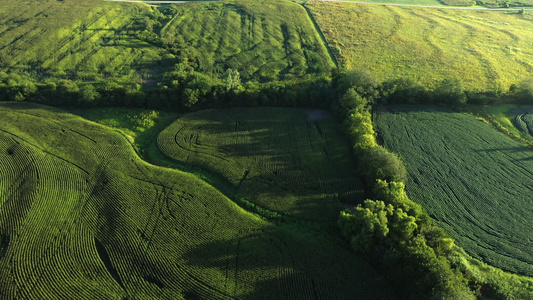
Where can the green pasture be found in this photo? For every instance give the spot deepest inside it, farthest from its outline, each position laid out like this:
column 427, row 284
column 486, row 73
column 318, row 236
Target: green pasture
column 134, row 44
column 475, row 181
column 139, row 126
column 265, row 40
column 81, row 215
column 292, row 161
column 82, row 40
column 485, row 50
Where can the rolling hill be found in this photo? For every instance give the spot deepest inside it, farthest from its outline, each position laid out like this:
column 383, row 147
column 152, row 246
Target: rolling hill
column 82, row 216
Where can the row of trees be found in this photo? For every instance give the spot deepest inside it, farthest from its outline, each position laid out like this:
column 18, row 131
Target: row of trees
column 179, row 90
column 184, row 89
column 391, row 230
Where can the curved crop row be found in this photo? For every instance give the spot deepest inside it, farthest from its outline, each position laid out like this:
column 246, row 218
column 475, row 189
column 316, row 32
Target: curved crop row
column 288, row 160
column 474, row 180
column 81, row 214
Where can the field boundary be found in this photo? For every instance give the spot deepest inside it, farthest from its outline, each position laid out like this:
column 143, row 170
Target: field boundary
column 321, row 34
column 346, row 1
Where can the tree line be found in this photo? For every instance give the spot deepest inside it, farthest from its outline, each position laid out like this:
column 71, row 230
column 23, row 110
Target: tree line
column 395, row 233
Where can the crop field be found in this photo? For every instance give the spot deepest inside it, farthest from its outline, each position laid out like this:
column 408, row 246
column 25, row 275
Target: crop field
column 524, row 122
column 88, row 40
column 261, row 39
column 81, row 215
column 475, row 181
column 485, row 50
column 292, row 161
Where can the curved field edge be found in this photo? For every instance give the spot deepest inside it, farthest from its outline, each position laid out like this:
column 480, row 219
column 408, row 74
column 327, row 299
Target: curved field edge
column 293, row 161
column 81, row 214
column 472, row 179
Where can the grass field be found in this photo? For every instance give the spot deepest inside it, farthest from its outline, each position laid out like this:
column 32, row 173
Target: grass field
column 485, row 50
column 86, row 40
column 82, row 216
column 133, row 43
column 475, row 181
column 261, row 39
column 292, row 161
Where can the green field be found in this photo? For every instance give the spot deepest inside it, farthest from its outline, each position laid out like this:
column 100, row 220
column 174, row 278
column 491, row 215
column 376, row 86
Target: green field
column 264, row 40
column 132, row 43
column 292, row 161
column 82, row 216
column 474, row 181
column 85, row 40
column 487, row 51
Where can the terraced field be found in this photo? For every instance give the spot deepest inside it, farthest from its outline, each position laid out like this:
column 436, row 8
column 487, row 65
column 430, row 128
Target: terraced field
column 82, row 216
column 292, row 161
column 262, row 39
column 485, row 50
column 475, row 181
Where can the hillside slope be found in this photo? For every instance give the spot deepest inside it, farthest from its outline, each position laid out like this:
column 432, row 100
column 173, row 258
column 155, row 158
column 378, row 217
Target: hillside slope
column 293, row 161
column 82, row 216
column 487, row 51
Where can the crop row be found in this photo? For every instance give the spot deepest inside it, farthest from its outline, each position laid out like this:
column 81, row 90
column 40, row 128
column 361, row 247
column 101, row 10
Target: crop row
column 249, row 37
column 89, row 38
column 81, row 214
column 276, row 158
column 474, row 182
column 524, row 123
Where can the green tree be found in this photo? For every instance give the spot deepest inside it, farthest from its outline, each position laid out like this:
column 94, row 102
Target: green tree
column 88, row 95
column 353, row 101
column 450, row 91
column 379, row 163
column 232, row 79
column 366, row 226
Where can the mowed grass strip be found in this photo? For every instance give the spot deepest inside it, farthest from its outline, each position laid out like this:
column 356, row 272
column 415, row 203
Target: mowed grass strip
column 265, row 40
column 293, row 161
column 475, row 181
column 485, row 50
column 82, row 216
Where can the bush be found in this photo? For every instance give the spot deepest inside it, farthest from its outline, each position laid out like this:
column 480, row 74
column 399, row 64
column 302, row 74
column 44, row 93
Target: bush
column 379, row 163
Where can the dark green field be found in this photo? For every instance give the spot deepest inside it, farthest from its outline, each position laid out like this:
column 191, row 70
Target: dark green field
column 475, row 181
column 81, row 216
column 292, row 161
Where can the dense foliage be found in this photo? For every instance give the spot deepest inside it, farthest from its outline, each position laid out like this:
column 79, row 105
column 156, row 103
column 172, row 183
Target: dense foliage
column 393, row 231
